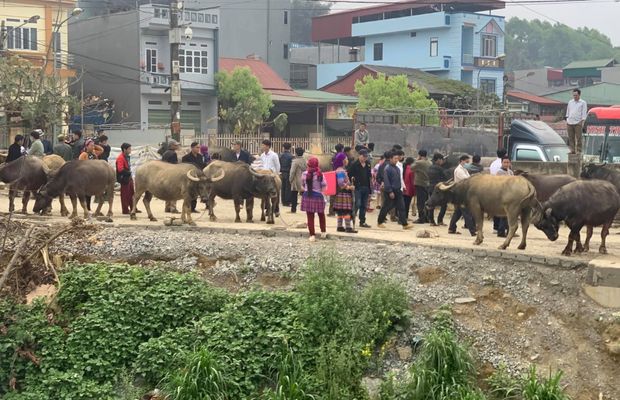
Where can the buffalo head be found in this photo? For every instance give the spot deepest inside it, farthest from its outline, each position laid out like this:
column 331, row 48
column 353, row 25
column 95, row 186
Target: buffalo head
column 264, row 182
column 199, row 178
column 42, row 200
column 442, row 195
column 548, row 223
column 594, row 171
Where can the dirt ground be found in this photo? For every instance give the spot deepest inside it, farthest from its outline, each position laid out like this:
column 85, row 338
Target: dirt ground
column 513, row 312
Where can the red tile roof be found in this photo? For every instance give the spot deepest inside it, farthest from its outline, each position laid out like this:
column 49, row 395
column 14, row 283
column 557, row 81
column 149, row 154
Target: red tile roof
column 533, row 98
column 268, row 78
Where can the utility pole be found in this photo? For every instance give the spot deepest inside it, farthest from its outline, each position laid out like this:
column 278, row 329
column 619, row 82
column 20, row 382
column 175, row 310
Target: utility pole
column 175, row 83
column 2, row 36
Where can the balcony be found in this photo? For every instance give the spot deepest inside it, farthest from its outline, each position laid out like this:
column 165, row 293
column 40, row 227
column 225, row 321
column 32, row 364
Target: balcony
column 156, row 80
column 482, row 62
column 156, row 17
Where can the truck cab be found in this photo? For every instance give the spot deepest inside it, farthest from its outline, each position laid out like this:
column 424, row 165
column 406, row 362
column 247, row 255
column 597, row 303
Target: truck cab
column 601, row 140
column 532, row 140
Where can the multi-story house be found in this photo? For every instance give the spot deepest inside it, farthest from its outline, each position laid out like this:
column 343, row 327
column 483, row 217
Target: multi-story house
column 37, row 32
column 256, row 28
column 126, row 57
column 454, row 40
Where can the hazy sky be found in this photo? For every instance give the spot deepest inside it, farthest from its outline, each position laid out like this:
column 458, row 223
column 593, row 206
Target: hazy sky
column 603, row 15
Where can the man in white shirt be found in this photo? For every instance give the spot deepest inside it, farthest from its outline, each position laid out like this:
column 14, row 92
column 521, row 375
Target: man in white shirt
column 576, row 113
column 460, row 174
column 497, row 164
column 269, row 158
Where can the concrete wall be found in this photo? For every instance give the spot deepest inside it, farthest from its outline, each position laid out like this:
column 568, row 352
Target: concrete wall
column 433, row 139
column 115, row 40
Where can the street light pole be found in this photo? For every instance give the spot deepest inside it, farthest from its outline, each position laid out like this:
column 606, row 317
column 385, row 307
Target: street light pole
column 175, row 75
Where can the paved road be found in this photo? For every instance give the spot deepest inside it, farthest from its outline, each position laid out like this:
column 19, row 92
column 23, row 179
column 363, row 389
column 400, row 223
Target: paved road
column 538, row 244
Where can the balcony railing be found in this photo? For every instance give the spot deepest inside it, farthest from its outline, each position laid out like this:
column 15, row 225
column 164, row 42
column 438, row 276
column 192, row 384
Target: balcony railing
column 468, row 59
column 156, row 80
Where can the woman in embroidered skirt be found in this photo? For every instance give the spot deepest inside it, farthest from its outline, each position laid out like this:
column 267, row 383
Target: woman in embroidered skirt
column 312, row 200
column 343, row 203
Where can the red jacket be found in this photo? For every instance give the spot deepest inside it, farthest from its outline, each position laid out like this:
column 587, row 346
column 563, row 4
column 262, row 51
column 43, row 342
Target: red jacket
column 409, row 186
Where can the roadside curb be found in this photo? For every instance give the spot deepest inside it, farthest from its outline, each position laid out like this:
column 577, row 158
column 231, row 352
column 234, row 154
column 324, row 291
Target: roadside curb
column 557, row 261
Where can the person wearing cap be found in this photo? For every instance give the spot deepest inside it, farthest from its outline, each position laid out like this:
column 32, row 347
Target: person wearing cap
column 62, row 149
column 15, row 150
column 171, row 157
column 194, row 157
column 36, row 147
column 77, row 144
column 361, row 175
column 123, row 176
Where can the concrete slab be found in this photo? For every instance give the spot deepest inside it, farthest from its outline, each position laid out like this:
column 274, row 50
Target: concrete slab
column 604, row 271
column 604, row 295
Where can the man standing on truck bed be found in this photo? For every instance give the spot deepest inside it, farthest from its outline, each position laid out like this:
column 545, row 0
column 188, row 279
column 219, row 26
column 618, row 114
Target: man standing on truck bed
column 576, row 113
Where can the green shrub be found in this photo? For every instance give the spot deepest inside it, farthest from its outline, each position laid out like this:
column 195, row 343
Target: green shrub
column 291, row 379
column 200, row 378
column 535, row 388
column 503, row 386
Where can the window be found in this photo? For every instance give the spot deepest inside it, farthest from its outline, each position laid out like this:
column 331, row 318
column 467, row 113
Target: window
column 414, row 34
column 214, row 19
column 208, row 18
column 151, row 60
column 164, row 13
column 201, row 18
column 155, row 102
column 285, row 17
column 193, row 61
column 57, row 46
column 157, row 12
column 377, row 52
column 528, row 155
column 193, row 103
column 487, row 85
column 434, row 47
column 285, row 51
column 22, row 38
column 489, row 46
column 194, row 17
column 187, row 15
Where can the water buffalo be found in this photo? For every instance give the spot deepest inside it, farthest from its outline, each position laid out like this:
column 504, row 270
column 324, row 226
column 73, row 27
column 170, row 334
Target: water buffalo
column 240, row 183
column 27, row 174
column 269, row 205
column 578, row 204
column 498, row 196
column 546, row 185
column 78, row 179
column 599, row 171
column 171, row 182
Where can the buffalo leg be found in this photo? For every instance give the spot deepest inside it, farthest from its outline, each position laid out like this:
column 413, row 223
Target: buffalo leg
column 238, row 202
column 99, row 206
column 604, row 233
column 211, row 204
column 25, row 199
column 573, row 236
column 513, row 223
column 270, row 210
column 187, row 212
column 589, row 232
column 74, row 206
column 263, row 206
column 136, row 197
column 63, row 208
column 110, row 194
column 526, row 215
column 12, row 195
column 478, row 217
column 84, row 206
column 148, row 196
column 249, row 209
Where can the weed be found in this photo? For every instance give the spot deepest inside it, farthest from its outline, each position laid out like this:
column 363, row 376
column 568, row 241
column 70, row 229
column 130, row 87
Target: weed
column 535, row 388
column 504, row 386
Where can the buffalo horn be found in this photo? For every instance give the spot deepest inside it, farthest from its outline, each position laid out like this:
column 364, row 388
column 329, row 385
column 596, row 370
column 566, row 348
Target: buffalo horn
column 191, row 177
column 443, row 186
column 256, row 173
column 220, row 177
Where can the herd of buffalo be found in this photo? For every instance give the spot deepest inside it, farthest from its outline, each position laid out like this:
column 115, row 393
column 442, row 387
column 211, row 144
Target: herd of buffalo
column 544, row 200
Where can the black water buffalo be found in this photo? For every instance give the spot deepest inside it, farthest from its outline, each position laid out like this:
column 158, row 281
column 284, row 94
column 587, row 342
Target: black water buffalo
column 268, row 204
column 578, row 204
column 27, row 174
column 240, row 183
column 599, row 171
column 170, row 182
column 78, row 179
column 546, row 185
column 498, row 196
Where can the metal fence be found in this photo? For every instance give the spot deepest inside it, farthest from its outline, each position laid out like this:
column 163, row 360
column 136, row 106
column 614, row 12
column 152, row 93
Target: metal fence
column 252, row 143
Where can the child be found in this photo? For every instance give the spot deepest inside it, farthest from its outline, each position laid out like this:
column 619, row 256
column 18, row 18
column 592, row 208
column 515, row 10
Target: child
column 312, row 200
column 343, row 205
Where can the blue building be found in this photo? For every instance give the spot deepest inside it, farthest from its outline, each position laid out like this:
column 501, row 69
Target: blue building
column 451, row 40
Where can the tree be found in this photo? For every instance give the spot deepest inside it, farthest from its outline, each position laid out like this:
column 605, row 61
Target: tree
column 393, row 92
column 302, row 13
column 244, row 105
column 27, row 92
column 535, row 44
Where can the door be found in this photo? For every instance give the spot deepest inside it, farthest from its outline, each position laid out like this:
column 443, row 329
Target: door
column 190, row 119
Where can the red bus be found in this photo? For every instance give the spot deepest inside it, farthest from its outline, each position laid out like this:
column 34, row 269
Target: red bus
column 602, row 135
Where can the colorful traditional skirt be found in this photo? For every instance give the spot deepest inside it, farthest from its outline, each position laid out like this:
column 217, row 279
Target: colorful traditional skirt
column 343, row 201
column 313, row 202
